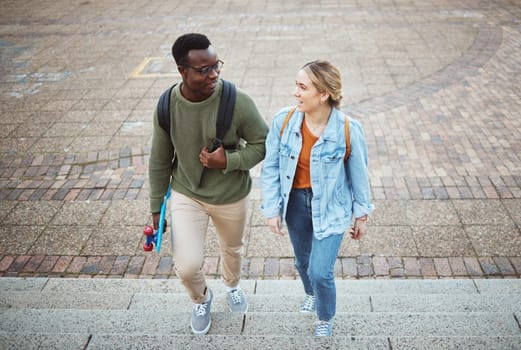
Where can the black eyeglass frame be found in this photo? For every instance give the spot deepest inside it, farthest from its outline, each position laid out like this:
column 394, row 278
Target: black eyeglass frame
column 205, row 70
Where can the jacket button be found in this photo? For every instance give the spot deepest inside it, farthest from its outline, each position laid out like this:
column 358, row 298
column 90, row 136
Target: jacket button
column 292, row 157
column 287, row 176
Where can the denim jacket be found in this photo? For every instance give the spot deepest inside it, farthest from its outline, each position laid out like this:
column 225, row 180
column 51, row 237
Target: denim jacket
column 340, row 188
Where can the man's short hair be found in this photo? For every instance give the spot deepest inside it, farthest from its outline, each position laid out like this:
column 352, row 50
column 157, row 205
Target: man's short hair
column 187, row 42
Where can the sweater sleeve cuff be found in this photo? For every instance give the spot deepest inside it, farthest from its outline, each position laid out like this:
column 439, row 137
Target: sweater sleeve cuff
column 233, row 160
column 155, row 205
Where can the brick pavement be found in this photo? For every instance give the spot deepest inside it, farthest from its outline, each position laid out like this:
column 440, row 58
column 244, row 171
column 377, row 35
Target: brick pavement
column 434, row 84
column 361, row 267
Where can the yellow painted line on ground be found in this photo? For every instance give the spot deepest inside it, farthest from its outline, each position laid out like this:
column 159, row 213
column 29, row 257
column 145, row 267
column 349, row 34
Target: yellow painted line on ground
column 137, row 72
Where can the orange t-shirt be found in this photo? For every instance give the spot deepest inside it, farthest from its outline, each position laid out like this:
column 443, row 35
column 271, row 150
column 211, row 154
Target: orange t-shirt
column 302, row 175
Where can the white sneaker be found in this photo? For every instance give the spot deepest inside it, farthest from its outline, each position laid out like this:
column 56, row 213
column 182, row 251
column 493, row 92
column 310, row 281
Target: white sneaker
column 308, row 305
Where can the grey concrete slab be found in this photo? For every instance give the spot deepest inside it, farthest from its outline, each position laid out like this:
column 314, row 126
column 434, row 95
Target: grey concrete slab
column 72, row 285
column 179, row 302
column 425, row 324
column 370, row 287
column 296, row 342
column 53, row 300
column 351, row 247
column 14, row 284
column 387, row 324
column 126, row 212
column 81, row 213
column 498, row 286
column 111, row 321
column 117, row 239
column 458, row 342
column 432, row 213
column 5, row 209
column 482, row 212
column 389, row 213
column 280, row 324
column 62, row 240
column 13, row 341
column 495, row 240
column 257, row 219
column 514, row 209
column 442, row 241
column 18, row 239
column 446, row 303
column 290, row 302
column 389, row 240
column 264, row 243
column 34, row 213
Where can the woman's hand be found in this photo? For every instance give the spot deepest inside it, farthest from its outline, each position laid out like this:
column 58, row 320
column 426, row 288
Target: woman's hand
column 274, row 224
column 358, row 230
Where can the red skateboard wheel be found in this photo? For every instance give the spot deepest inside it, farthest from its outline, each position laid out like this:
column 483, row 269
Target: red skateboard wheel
column 148, row 231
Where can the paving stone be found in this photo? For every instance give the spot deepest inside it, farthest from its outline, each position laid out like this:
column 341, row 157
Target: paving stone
column 498, row 240
column 442, row 241
column 488, row 266
column 412, row 267
column 442, row 266
column 437, row 100
column 504, row 266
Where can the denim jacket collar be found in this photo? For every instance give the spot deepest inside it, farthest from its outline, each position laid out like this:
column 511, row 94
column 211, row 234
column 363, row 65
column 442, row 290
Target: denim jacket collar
column 333, row 126
column 331, row 130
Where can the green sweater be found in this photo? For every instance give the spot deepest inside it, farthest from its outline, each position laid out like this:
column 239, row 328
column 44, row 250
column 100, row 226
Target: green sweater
column 192, row 126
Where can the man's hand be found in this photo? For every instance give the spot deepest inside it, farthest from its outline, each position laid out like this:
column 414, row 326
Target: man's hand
column 214, row 160
column 275, row 225
column 358, row 230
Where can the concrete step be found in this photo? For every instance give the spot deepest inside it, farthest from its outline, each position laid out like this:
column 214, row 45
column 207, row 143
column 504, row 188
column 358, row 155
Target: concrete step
column 262, row 303
column 220, row 342
column 373, row 314
column 260, row 323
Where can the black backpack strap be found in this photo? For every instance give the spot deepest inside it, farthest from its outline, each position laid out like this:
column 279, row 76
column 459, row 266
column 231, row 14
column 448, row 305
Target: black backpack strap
column 226, row 106
column 163, row 109
column 225, row 114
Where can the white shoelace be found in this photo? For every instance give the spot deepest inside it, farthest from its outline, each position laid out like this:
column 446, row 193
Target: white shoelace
column 200, row 309
column 236, row 296
column 322, row 329
column 308, row 303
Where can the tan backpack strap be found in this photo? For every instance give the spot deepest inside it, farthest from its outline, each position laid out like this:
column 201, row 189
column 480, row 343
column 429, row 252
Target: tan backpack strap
column 288, row 116
column 348, row 140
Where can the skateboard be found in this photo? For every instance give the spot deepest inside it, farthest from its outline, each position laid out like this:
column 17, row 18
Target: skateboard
column 154, row 237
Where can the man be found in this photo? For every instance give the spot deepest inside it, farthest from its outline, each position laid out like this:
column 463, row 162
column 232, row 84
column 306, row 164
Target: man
column 205, row 184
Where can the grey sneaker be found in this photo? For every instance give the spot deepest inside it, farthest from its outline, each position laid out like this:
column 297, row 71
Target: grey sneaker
column 201, row 318
column 237, row 301
column 308, row 305
column 323, row 328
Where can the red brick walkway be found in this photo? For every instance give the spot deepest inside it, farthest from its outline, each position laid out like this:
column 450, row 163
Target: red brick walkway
column 154, row 266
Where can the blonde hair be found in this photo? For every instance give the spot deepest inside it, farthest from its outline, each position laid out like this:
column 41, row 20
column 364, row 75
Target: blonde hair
column 326, row 78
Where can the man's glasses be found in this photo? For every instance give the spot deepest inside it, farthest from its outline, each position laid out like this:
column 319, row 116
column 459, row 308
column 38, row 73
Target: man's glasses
column 207, row 69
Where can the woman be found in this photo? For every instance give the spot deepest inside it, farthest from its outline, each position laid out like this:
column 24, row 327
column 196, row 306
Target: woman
column 309, row 180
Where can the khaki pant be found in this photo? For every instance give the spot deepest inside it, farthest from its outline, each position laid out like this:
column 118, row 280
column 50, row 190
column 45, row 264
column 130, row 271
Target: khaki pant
column 190, row 219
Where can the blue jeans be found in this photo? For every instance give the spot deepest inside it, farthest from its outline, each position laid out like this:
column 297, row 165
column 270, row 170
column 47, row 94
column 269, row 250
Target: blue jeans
column 314, row 258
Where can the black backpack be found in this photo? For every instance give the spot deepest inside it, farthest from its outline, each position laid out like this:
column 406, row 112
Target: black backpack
column 224, row 116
